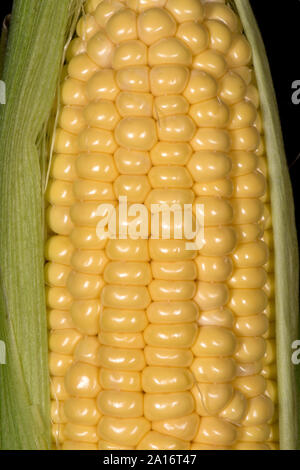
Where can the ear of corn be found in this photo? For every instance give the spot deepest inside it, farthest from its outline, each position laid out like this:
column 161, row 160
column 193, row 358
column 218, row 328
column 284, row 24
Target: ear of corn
column 208, row 378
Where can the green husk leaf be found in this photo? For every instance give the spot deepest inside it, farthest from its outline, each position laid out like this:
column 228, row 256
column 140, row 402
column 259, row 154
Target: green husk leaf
column 33, row 62
column 285, row 235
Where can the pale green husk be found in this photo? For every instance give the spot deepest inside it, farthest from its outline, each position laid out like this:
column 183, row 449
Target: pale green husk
column 285, row 236
column 33, row 61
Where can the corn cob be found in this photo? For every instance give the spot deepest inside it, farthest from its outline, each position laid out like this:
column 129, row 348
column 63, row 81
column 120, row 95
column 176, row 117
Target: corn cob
column 152, row 346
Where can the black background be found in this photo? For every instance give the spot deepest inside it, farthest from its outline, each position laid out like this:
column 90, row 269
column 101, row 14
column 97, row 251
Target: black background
column 279, row 22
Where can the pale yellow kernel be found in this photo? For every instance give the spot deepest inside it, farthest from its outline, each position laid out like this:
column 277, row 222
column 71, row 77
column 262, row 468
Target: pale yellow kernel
column 80, row 433
column 172, row 312
column 168, row 79
column 105, row 10
column 135, row 188
column 63, row 167
column 176, row 128
column 57, row 434
column 81, row 67
column 81, row 380
column 122, row 26
column 167, row 153
column 77, row 46
column 183, row 428
column 236, row 409
column 218, row 241
column 211, row 113
column 130, row 273
column 125, row 297
column 85, row 315
column 102, row 114
column 56, row 275
column 170, row 105
column 166, row 357
column 130, row 53
column 82, row 411
column 220, row 36
column 217, row 211
column 120, row 380
column 223, row 13
column 211, row 399
column 243, row 114
column 244, row 302
column 252, row 95
column 272, row 391
column 211, row 296
column 96, row 140
column 102, row 85
column 84, row 286
column 259, row 433
column 98, row 166
column 65, row 142
column 71, row 119
column 194, row 35
column 181, row 270
column 270, row 354
column 222, row 188
column 240, row 53
column 122, row 340
column 90, row 190
column 251, row 278
column 125, row 321
column 166, row 380
column 255, row 325
column 222, row 317
column 64, row 341
column 217, row 140
column 214, row 269
column 201, row 87
column 169, row 51
column 199, row 446
column 214, row 370
column 171, row 336
column 58, row 298
column 232, row 88
column 155, row 24
column 134, row 104
column 157, row 441
column 243, row 163
column 168, row 405
column 58, row 390
column 73, row 93
column 57, row 412
column 121, row 404
column 127, row 250
column 91, row 5
column 121, row 359
column 246, row 370
column 250, row 255
column 87, row 27
column 136, row 133
column 170, row 197
column 260, row 411
column 59, row 364
column 60, row 193
column 245, row 139
column 213, row 341
column 142, row 5
column 170, row 177
column 190, row 10
column 86, row 350
column 134, row 79
column 128, row 432
column 216, row 431
column 132, row 163
column 251, row 386
column 247, row 211
column 250, row 446
column 250, row 349
column 211, row 62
